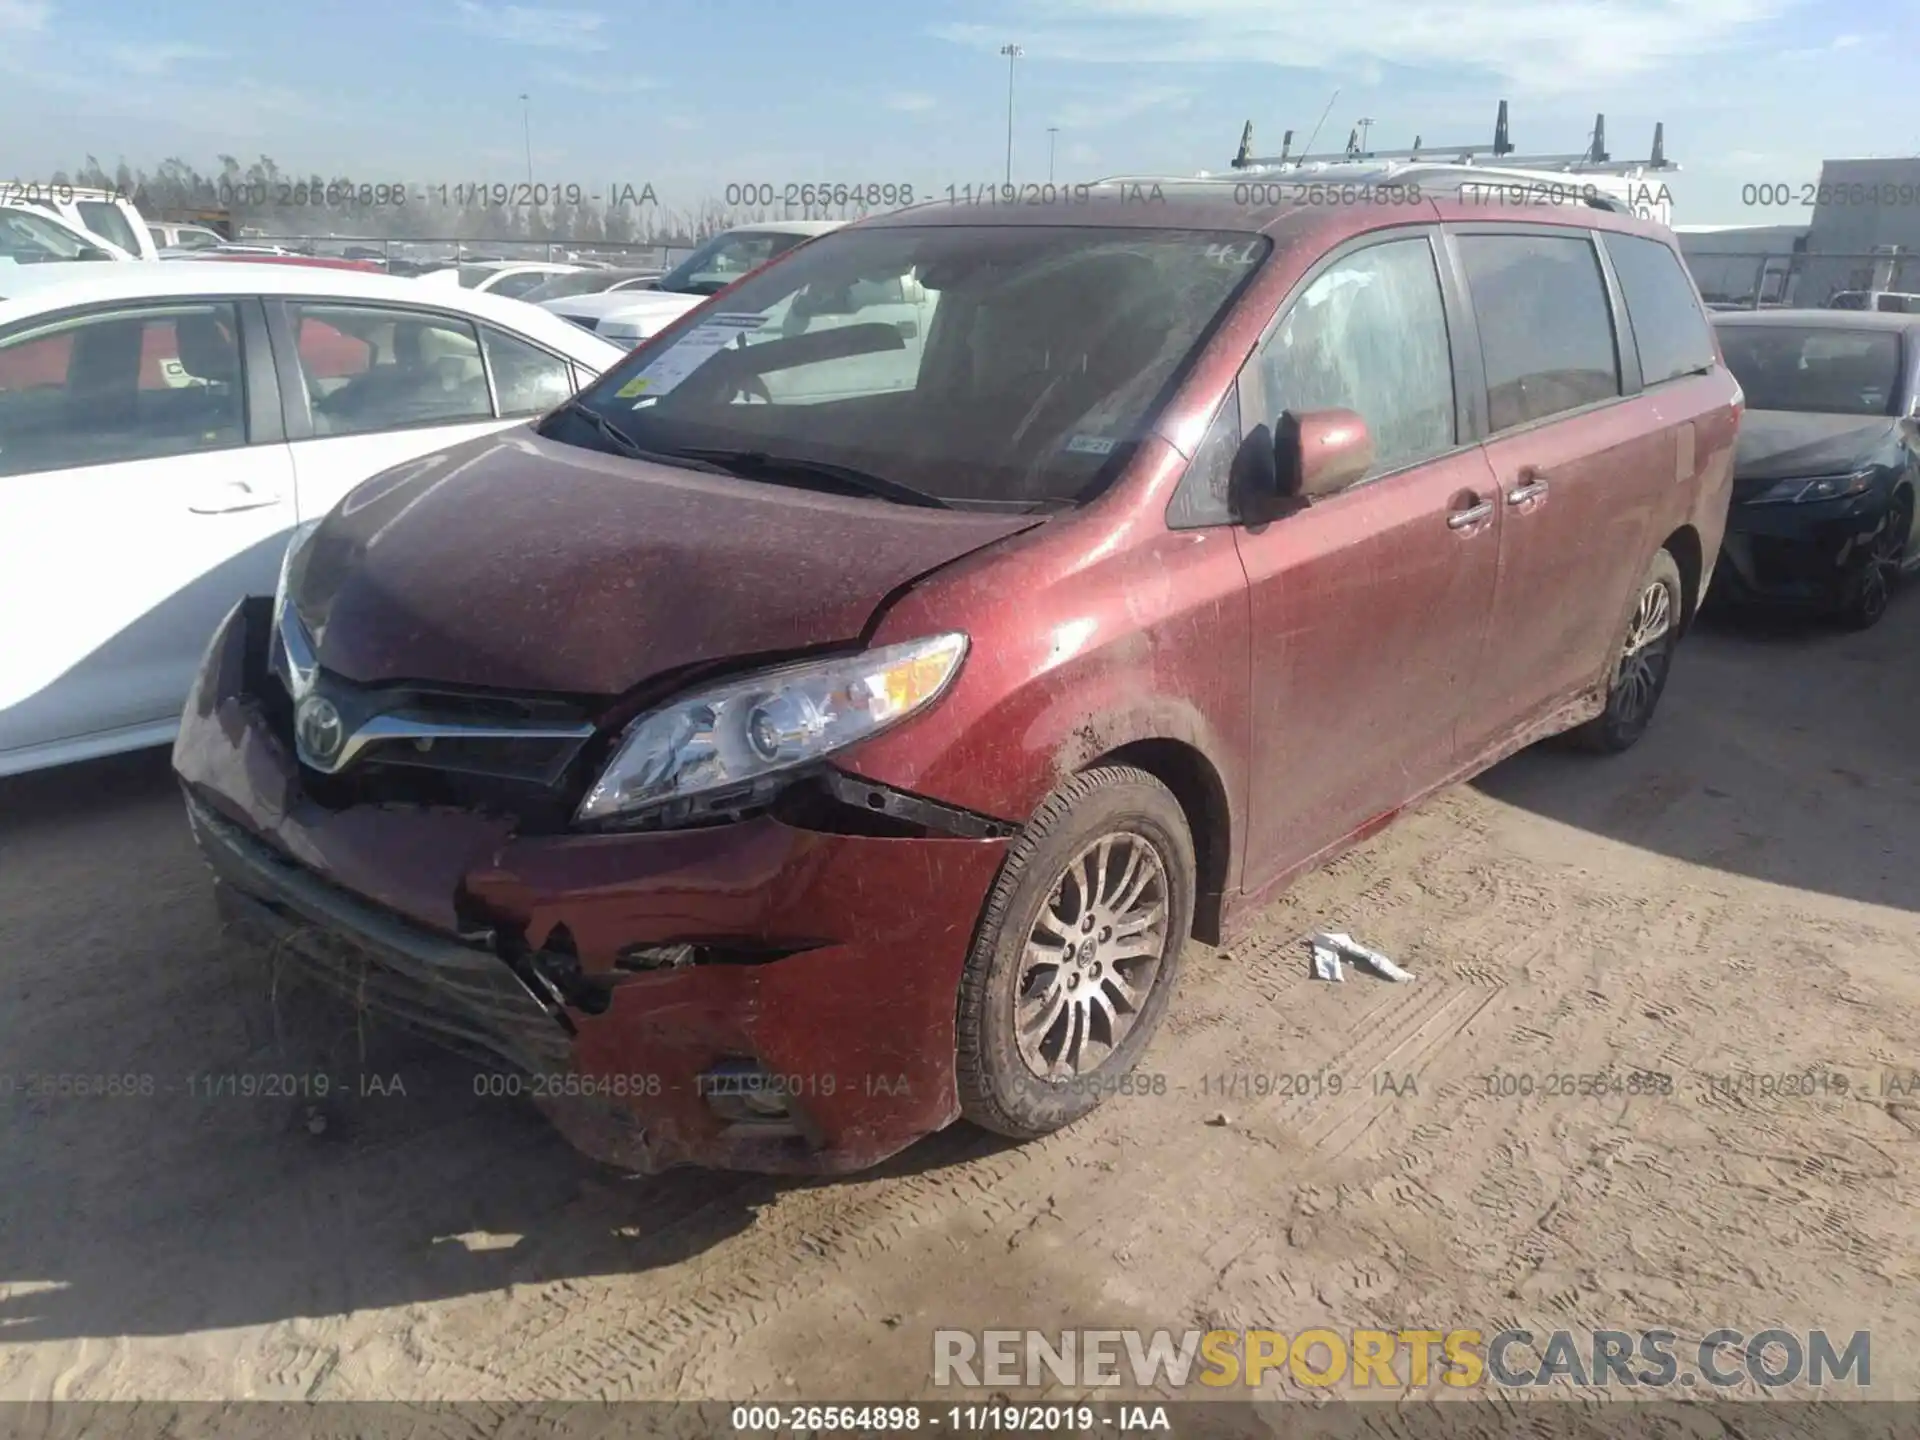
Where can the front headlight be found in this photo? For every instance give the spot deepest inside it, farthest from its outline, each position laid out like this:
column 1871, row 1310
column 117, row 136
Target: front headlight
column 730, row 746
column 1804, row 491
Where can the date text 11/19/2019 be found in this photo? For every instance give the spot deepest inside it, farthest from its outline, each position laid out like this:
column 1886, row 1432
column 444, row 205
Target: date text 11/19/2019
column 995, row 1419
column 872, row 194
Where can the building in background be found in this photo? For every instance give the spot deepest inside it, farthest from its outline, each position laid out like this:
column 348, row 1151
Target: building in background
column 1861, row 237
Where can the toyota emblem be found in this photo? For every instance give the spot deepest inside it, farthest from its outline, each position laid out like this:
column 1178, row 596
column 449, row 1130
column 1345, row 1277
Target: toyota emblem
column 320, row 729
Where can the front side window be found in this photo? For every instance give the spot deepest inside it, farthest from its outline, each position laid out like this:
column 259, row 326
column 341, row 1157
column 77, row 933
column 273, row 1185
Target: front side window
column 1546, row 329
column 1822, row 371
column 527, row 379
column 1668, row 326
column 991, row 366
column 1369, row 334
column 368, row 368
column 130, row 385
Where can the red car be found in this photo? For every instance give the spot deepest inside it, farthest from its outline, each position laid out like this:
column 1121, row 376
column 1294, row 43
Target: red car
column 835, row 721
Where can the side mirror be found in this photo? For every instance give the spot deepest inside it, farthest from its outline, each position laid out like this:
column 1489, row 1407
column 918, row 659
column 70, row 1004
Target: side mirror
column 92, row 252
column 1320, row 452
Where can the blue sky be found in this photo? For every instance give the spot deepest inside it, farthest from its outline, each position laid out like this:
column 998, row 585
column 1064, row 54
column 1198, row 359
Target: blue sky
column 692, row 94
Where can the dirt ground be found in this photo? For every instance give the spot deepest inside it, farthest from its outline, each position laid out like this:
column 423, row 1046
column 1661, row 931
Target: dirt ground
column 1738, row 897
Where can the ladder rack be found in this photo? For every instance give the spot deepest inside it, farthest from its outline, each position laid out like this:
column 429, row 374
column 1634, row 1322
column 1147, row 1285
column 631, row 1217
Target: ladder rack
column 1594, row 160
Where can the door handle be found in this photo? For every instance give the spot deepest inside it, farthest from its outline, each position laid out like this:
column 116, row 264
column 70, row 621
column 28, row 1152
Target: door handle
column 1533, row 485
column 1472, row 515
column 235, row 496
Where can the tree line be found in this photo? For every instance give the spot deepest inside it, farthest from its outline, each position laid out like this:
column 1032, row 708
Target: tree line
column 263, row 198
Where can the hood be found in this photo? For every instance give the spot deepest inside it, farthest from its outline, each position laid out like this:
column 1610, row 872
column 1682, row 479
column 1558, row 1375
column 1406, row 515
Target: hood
column 599, row 303
column 1784, row 444
column 639, row 313
column 518, row 563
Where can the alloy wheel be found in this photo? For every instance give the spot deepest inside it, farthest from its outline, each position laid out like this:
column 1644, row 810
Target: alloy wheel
column 1092, row 957
column 1643, row 659
column 1882, row 566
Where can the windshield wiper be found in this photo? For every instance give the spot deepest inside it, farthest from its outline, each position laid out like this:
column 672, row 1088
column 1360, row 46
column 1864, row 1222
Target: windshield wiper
column 627, row 445
column 759, row 463
column 608, row 430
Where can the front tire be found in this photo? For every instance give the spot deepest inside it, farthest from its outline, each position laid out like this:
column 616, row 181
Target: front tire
column 1869, row 589
column 1077, row 953
column 1642, row 660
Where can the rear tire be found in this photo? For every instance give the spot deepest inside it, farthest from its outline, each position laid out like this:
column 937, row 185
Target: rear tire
column 1077, row 953
column 1642, row 658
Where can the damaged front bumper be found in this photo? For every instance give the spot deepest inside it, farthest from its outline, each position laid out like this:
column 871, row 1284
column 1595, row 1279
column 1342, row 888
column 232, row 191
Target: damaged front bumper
column 753, row 996
column 1797, row 556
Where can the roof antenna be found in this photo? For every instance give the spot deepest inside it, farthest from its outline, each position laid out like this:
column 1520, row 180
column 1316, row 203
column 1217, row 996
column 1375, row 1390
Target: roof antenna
column 1286, row 145
column 1659, row 144
column 1353, row 143
column 1597, row 152
column 1416, row 147
column 1502, row 144
column 1323, row 120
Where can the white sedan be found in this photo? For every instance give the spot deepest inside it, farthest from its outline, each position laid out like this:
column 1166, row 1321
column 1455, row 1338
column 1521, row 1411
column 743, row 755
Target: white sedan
column 163, row 427
column 628, row 317
column 499, row 277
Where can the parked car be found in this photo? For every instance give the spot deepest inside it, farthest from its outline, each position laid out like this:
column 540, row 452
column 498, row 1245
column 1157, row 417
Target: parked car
column 105, row 214
column 164, row 425
column 1823, row 512
column 591, row 279
column 1895, row 302
column 32, row 236
column 325, row 262
column 785, row 780
column 169, row 236
column 628, row 317
column 511, row 278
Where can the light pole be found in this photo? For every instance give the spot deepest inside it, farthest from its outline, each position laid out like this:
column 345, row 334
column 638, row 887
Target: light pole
column 1053, row 134
column 1013, row 53
column 1366, row 124
column 526, row 126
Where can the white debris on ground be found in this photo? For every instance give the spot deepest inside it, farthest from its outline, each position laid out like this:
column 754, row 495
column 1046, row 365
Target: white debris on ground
column 1329, row 949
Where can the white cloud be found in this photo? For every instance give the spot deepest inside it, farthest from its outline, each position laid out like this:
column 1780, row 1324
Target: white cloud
column 24, row 14
column 1081, row 153
column 531, row 26
column 158, row 59
column 1539, row 48
column 911, row 102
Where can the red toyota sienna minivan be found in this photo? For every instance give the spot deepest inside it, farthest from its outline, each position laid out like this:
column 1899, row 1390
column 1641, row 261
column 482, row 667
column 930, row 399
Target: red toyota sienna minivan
column 835, row 721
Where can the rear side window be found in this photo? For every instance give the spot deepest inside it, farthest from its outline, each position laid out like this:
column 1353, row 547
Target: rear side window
column 527, row 380
column 1668, row 327
column 1546, row 331
column 370, row 369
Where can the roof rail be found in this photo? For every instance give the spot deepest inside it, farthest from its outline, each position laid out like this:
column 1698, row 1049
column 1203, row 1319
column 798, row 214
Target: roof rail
column 1594, row 160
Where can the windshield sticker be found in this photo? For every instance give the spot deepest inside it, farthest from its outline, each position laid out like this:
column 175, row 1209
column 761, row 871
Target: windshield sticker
column 1089, row 445
column 688, row 354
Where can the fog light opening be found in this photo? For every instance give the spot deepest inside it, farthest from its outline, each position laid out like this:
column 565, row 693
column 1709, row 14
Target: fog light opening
column 743, row 1092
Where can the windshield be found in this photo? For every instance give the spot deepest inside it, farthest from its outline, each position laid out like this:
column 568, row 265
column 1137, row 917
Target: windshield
column 28, row 238
column 990, row 366
column 1826, row 372
column 724, row 259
